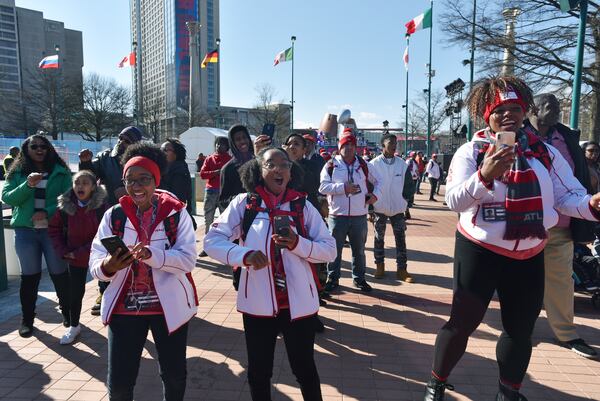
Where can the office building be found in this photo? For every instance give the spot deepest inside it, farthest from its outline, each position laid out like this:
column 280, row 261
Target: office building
column 25, row 38
column 163, row 54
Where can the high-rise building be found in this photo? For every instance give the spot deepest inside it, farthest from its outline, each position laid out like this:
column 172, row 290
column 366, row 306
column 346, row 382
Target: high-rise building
column 163, row 55
column 25, row 38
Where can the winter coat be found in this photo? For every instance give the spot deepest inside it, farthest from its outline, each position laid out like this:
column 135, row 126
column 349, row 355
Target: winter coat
column 82, row 224
column 107, row 167
column 433, row 169
column 341, row 204
column 170, row 265
column 396, row 185
column 178, row 181
column 230, row 183
column 467, row 194
column 256, row 295
column 20, row 196
column 310, row 182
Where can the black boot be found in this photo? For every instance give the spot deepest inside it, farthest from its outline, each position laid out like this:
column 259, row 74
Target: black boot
column 61, row 285
column 28, row 294
column 509, row 394
column 434, row 391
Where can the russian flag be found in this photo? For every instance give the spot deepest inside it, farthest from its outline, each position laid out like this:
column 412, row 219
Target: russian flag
column 49, row 62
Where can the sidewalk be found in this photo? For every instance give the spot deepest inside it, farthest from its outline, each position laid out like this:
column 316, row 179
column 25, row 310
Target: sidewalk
column 377, row 346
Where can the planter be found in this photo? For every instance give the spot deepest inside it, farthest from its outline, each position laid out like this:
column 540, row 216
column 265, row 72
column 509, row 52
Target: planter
column 12, row 261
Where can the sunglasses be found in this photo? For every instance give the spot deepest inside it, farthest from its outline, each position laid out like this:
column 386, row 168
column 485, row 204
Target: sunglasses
column 36, row 147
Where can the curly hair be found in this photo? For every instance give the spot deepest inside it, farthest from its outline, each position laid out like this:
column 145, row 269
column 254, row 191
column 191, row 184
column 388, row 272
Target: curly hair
column 178, row 147
column 25, row 165
column 146, row 149
column 484, row 92
column 250, row 172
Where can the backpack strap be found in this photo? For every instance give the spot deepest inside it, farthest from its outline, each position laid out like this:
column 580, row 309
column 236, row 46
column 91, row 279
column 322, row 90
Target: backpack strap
column 330, row 168
column 171, row 223
column 253, row 202
column 365, row 169
column 297, row 206
column 117, row 220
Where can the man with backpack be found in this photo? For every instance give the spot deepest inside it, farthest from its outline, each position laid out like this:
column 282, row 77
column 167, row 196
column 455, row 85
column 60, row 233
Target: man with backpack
column 350, row 189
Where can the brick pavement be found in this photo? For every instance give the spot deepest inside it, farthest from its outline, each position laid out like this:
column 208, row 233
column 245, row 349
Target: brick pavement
column 377, row 346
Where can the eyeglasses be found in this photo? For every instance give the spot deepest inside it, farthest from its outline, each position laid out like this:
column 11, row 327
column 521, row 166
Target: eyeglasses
column 144, row 181
column 272, row 166
column 511, row 109
column 40, row 147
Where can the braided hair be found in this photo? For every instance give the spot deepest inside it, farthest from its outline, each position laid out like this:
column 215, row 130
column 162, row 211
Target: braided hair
column 484, row 92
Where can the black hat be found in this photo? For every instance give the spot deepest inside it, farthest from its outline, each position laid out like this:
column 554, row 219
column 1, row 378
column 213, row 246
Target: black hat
column 133, row 134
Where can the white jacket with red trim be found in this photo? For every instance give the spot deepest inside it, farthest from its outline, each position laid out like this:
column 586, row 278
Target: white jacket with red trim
column 341, row 204
column 169, row 267
column 466, row 194
column 256, row 293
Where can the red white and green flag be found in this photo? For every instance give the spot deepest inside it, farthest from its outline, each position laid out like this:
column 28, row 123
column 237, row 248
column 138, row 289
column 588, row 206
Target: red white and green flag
column 422, row 21
column 284, row 56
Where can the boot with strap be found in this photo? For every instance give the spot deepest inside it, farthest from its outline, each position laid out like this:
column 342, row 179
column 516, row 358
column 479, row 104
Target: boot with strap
column 507, row 393
column 380, row 272
column 28, row 295
column 435, row 389
column 61, row 285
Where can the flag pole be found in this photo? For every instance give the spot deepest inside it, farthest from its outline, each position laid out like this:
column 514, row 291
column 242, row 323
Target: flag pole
column 293, row 59
column 429, row 87
column 406, row 102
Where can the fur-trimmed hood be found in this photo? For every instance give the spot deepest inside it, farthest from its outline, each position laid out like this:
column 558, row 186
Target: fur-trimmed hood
column 68, row 200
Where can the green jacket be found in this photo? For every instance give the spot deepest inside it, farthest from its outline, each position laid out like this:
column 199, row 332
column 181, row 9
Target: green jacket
column 19, row 195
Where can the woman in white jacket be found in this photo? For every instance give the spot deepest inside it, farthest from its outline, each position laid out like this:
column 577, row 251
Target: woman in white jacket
column 507, row 195
column 278, row 291
column 151, row 286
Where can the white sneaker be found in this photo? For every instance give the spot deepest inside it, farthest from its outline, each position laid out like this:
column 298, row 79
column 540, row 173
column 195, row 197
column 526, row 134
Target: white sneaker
column 71, row 335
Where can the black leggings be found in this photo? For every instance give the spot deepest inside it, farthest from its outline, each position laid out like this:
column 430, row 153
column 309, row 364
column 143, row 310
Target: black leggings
column 77, row 277
column 299, row 338
column 520, row 286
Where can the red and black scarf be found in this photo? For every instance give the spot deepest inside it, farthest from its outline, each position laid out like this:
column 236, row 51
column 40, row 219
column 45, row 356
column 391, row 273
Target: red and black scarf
column 524, row 205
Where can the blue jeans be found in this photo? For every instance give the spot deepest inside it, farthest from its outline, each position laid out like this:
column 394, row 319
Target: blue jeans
column 355, row 227
column 30, row 245
column 126, row 338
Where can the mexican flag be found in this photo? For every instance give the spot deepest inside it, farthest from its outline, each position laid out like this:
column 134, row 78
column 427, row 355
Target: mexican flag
column 284, row 56
column 422, row 21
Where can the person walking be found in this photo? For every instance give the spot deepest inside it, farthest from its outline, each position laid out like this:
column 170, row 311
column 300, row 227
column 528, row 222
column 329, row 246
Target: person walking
column 413, row 167
column 508, row 196
column 107, row 167
column 559, row 289
column 33, row 184
column 420, row 160
column 277, row 290
column 346, row 180
column 396, row 185
column 211, row 171
column 433, row 172
column 177, row 178
column 72, row 229
column 151, row 284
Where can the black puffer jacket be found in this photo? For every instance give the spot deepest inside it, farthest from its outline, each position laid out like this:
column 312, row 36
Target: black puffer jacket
column 178, row 181
column 107, row 167
column 230, row 177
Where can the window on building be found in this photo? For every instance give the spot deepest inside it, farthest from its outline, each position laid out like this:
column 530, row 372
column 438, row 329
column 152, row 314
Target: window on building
column 7, row 35
column 8, row 52
column 6, row 43
column 7, row 18
column 6, row 9
column 7, row 26
column 7, row 60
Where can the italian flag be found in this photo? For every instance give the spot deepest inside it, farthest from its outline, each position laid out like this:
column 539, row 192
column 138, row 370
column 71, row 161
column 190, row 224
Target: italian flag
column 284, row 56
column 422, row 21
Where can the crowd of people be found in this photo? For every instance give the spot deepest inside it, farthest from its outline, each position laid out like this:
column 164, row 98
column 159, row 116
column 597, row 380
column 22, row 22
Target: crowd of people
column 285, row 214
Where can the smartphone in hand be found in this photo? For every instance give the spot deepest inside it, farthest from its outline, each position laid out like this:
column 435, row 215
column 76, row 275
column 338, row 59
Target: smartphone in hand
column 505, row 138
column 281, row 225
column 113, row 243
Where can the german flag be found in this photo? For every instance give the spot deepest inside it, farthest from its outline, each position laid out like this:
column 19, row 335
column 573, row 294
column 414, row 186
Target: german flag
column 211, row 57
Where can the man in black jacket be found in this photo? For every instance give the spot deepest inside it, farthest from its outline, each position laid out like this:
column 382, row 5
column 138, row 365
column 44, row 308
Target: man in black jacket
column 558, row 254
column 108, row 169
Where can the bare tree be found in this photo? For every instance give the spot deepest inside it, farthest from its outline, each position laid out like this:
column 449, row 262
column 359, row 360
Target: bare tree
column 417, row 113
column 545, row 43
column 269, row 112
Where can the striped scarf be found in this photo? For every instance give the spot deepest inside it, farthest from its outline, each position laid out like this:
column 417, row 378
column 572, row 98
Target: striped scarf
column 524, row 205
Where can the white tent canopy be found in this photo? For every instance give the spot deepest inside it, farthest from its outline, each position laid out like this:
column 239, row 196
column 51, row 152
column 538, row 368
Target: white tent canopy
column 200, row 140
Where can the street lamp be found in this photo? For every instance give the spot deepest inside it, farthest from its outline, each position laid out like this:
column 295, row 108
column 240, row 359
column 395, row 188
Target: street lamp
column 293, row 58
column 218, row 42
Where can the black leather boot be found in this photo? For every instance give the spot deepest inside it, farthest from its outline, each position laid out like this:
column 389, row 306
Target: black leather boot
column 61, row 286
column 28, row 295
column 434, row 391
column 509, row 394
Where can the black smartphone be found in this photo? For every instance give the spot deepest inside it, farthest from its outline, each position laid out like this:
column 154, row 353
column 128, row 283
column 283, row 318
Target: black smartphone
column 268, row 130
column 113, row 243
column 281, row 225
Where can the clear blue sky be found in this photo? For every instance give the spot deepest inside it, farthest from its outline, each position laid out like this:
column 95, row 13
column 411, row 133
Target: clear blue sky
column 348, row 52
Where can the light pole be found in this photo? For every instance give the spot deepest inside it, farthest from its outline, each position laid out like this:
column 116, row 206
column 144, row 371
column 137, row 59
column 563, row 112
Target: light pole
column 218, row 41
column 195, row 94
column 57, row 95
column 430, row 75
column 578, row 64
column 136, row 100
column 510, row 16
column 293, row 59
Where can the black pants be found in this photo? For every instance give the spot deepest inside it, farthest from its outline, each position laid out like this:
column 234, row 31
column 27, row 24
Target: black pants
column 126, row 339
column 77, row 277
column 299, row 337
column 433, row 182
column 479, row 272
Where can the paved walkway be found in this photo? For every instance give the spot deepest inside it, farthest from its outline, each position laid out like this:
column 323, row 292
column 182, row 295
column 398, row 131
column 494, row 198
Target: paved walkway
column 377, row 346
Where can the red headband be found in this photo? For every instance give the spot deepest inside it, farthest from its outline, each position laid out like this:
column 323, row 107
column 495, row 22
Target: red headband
column 502, row 98
column 144, row 163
